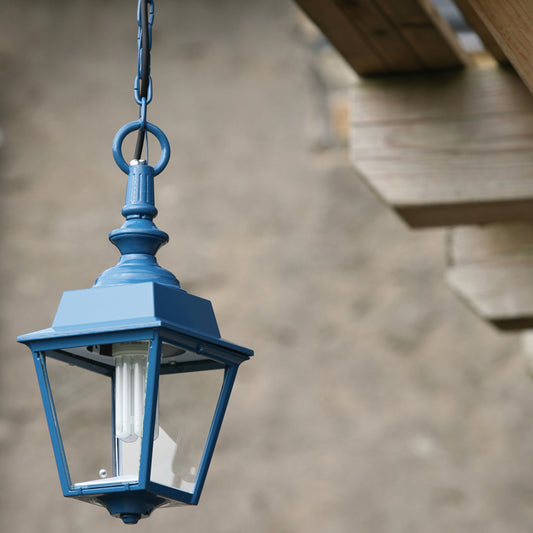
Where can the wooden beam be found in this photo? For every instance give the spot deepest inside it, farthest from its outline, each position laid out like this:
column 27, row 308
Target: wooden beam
column 477, row 24
column 378, row 37
column 369, row 21
column 427, row 32
column 447, row 148
column 510, row 23
column 491, row 270
column 340, row 32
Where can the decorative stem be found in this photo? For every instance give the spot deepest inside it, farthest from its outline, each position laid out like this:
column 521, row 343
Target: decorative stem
column 138, row 239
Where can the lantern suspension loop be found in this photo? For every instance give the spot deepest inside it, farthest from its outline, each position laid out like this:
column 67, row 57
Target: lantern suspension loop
column 142, row 92
column 123, row 132
column 143, row 80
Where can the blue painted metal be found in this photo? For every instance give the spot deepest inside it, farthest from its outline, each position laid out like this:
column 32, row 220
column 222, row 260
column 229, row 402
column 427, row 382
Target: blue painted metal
column 152, row 386
column 135, row 300
column 137, row 90
column 142, row 113
column 139, row 238
column 134, row 499
column 134, row 126
column 229, row 378
column 137, row 83
column 51, row 418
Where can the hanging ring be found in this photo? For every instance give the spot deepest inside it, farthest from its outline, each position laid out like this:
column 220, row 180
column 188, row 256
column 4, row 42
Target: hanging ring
column 123, row 132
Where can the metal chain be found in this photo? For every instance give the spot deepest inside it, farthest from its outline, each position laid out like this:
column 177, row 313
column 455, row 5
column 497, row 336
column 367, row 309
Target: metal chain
column 142, row 91
column 142, row 87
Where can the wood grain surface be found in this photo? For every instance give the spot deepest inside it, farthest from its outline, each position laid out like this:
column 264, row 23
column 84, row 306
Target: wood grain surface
column 384, row 36
column 491, row 270
column 447, row 148
column 510, row 23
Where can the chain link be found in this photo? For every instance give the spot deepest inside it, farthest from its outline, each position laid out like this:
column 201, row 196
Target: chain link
column 142, row 91
column 142, row 86
column 143, row 77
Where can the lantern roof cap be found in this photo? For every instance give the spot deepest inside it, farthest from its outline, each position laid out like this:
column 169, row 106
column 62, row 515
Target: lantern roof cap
column 134, row 306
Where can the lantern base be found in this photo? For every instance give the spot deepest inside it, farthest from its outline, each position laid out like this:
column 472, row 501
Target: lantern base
column 130, row 518
column 132, row 506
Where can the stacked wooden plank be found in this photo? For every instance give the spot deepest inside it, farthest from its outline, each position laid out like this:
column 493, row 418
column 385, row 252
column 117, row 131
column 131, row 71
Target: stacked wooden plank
column 491, row 269
column 384, row 36
column 447, row 148
column 444, row 141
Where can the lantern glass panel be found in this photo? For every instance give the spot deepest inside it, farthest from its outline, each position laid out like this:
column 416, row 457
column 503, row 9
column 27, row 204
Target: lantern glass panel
column 82, row 403
column 187, row 402
column 99, row 394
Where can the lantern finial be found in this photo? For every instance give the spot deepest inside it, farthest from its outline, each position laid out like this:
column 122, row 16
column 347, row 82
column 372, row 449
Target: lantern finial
column 139, row 238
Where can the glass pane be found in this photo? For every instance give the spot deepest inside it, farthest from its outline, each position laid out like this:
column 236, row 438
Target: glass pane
column 187, row 403
column 99, row 394
column 82, row 401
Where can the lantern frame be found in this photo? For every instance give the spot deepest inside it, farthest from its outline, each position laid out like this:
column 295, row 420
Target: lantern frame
column 124, row 313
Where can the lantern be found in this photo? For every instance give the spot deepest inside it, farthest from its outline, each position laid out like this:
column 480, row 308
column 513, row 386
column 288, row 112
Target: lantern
column 134, row 375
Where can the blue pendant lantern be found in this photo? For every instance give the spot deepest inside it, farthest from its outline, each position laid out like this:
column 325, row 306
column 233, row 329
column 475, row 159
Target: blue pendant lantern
column 134, row 375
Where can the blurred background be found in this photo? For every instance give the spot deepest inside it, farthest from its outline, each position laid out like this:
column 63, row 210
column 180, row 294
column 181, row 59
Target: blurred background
column 375, row 403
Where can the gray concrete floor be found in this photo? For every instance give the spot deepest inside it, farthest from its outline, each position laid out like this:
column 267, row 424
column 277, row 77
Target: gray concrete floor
column 375, row 403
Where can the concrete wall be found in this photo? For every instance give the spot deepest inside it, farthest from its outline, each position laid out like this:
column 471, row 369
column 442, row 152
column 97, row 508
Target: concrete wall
column 375, row 403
